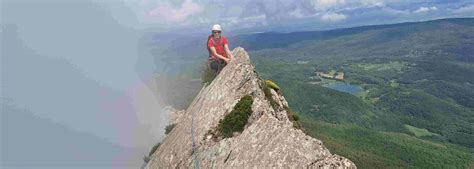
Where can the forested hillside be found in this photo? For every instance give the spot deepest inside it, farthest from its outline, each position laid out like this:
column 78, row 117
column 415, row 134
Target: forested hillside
column 416, row 88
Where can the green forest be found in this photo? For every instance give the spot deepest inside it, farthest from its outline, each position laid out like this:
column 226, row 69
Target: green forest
column 416, row 106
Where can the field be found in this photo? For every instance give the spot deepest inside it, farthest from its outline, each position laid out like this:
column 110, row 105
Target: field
column 419, row 132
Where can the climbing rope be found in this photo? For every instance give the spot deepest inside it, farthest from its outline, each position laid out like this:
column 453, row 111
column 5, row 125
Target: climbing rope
column 195, row 159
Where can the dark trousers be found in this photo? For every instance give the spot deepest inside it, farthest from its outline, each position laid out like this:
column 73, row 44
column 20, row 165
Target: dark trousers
column 217, row 65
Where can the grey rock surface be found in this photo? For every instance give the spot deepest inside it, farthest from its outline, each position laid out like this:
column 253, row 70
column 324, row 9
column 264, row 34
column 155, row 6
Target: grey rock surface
column 268, row 140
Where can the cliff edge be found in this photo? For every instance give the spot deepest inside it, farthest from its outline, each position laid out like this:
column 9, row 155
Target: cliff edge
column 269, row 138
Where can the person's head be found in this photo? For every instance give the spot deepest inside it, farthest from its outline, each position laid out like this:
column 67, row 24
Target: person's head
column 216, row 30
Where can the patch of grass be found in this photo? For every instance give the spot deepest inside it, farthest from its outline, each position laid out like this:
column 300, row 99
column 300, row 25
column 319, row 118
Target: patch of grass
column 268, row 95
column 374, row 100
column 236, row 120
column 393, row 65
column 362, row 94
column 272, row 85
column 419, row 132
column 168, row 128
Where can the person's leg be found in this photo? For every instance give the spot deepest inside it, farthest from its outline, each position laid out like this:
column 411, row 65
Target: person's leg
column 223, row 64
column 217, row 65
column 214, row 64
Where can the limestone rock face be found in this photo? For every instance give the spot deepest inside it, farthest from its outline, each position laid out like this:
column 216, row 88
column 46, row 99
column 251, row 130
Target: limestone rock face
column 268, row 140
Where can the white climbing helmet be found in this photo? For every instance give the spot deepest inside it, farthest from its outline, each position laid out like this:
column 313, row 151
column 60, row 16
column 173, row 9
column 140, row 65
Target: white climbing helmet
column 216, row 27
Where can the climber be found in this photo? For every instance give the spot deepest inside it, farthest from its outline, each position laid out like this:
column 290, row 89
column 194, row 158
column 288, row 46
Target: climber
column 218, row 48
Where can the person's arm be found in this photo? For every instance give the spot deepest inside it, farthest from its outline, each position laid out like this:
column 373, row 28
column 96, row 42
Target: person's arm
column 227, row 50
column 213, row 51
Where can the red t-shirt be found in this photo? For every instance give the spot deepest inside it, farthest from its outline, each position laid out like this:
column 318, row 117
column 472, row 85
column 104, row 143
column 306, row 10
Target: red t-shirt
column 219, row 45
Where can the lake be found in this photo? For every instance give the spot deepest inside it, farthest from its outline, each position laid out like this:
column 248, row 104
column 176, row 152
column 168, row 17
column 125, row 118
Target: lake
column 344, row 87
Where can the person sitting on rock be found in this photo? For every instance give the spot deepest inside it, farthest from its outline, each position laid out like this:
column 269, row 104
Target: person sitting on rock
column 218, row 48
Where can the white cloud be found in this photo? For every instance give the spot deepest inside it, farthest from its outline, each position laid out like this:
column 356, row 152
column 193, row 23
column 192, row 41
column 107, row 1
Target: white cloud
column 230, row 22
column 297, row 13
column 167, row 12
column 425, row 9
column 324, row 4
column 393, row 11
column 465, row 10
column 333, row 17
column 246, row 22
column 372, row 3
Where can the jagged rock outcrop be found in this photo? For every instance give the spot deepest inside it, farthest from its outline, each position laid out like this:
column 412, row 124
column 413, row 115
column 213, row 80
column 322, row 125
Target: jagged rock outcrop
column 268, row 140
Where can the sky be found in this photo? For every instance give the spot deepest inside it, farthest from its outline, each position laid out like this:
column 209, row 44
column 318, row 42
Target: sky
column 91, row 66
column 169, row 15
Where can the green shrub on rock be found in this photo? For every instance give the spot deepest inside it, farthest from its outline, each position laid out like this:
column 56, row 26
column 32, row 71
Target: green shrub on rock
column 236, row 120
column 168, row 128
column 293, row 117
column 147, row 158
column 154, row 148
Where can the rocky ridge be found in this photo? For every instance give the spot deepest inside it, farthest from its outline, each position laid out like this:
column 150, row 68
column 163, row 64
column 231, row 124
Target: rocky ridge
column 268, row 140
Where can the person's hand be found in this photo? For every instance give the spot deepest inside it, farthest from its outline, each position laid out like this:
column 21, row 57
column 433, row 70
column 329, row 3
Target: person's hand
column 227, row 60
